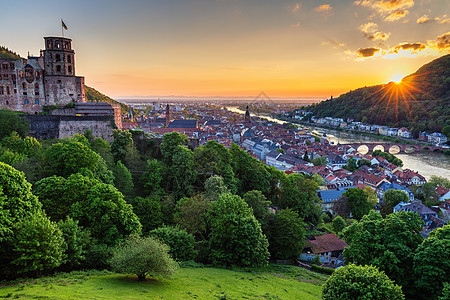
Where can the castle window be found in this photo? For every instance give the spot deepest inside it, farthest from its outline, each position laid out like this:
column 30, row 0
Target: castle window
column 69, row 59
column 1, row 90
column 49, row 44
column 36, row 101
column 69, row 69
column 11, row 65
column 25, row 101
column 15, row 91
column 66, row 45
column 8, row 91
column 58, row 45
column 24, row 85
column 58, row 68
column 20, row 73
column 58, row 57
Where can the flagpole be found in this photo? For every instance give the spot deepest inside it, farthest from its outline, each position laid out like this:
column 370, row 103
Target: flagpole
column 62, row 29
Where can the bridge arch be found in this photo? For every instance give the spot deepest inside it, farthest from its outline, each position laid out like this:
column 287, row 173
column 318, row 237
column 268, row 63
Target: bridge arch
column 394, row 149
column 378, row 147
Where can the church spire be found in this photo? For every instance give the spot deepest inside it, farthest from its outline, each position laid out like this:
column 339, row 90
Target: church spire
column 167, row 115
column 247, row 116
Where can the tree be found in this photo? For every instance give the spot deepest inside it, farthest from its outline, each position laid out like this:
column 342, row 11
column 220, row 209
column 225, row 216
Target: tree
column 446, row 131
column 391, row 198
column 70, row 156
column 259, row 204
column 103, row 148
column 191, row 214
column 351, row 165
column 122, row 138
column 76, row 242
column 149, row 212
column 357, row 200
column 236, row 237
column 320, row 161
column 339, row 224
column 27, row 146
column 38, row 244
column 360, row 282
column 9, row 122
column 439, row 181
column 181, row 243
column 169, row 145
column 214, row 187
column 341, row 207
column 181, row 173
column 122, row 179
column 151, row 179
column 364, row 162
column 386, row 243
column 432, row 263
column 143, row 256
column 287, row 235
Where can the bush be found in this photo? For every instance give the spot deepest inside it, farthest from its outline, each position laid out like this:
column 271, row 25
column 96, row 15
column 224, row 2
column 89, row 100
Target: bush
column 323, row 270
column 181, row 243
column 360, row 282
column 143, row 256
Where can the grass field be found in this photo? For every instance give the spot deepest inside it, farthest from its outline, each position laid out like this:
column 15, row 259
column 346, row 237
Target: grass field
column 274, row 282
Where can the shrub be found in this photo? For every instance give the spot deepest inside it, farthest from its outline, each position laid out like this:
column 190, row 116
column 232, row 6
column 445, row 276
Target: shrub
column 181, row 243
column 143, row 256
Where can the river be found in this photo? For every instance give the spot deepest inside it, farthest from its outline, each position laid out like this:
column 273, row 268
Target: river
column 426, row 163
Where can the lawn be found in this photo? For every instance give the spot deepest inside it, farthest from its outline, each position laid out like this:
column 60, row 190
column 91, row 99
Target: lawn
column 274, row 282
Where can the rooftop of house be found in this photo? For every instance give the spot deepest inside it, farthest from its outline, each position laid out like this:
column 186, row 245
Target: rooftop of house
column 327, row 243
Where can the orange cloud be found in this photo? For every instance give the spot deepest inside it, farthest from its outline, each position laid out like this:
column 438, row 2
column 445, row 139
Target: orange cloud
column 367, row 52
column 323, row 8
column 397, row 15
column 391, row 10
column 443, row 41
column 371, row 32
column 410, row 46
column 423, row 19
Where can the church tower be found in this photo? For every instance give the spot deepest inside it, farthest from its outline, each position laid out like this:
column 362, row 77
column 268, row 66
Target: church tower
column 167, row 115
column 247, row 116
column 59, row 57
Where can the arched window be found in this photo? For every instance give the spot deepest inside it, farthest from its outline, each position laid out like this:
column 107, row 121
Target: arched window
column 20, row 73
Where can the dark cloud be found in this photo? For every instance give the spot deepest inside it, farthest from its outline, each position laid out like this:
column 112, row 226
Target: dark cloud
column 410, row 46
column 367, row 52
column 443, row 41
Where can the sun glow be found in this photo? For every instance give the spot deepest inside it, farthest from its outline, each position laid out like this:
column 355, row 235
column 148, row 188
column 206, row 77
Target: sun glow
column 397, row 78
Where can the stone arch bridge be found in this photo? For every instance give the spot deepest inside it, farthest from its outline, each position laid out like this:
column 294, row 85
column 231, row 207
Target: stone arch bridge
column 402, row 148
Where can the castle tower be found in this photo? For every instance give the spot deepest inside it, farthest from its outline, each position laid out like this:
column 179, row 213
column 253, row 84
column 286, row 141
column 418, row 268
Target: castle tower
column 59, row 57
column 167, row 115
column 61, row 85
column 247, row 116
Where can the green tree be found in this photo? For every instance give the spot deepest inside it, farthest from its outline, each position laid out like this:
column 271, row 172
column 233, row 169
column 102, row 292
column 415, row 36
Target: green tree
column 351, row 165
column 122, row 139
column 143, row 257
column 432, row 264
column 152, row 178
column 236, row 237
column 364, row 162
column 27, row 146
column 9, row 122
column 170, row 144
column 386, row 243
column 76, row 243
column 214, row 158
column 191, row 214
column 181, row 243
column 439, row 181
column 149, row 212
column 259, row 204
column 360, row 282
column 70, row 157
column 214, row 187
column 357, row 200
column 320, row 161
column 103, row 148
column 339, row 224
column 446, row 131
column 122, row 179
column 38, row 244
column 287, row 235
column 181, row 173
column 391, row 198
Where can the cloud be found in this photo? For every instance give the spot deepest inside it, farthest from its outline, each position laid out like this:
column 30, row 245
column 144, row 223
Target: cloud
column 371, row 32
column 390, row 10
column 443, row 41
column 367, row 52
column 297, row 7
column 323, row 8
column 423, row 19
column 397, row 15
column 409, row 46
column 406, row 49
column 333, row 43
column 442, row 20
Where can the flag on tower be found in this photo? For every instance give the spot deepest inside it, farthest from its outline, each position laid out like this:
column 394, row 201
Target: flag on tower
column 63, row 25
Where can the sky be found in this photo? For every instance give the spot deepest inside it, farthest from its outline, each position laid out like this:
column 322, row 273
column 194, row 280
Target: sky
column 232, row 48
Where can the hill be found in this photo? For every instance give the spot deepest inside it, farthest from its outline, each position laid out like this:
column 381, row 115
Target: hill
column 276, row 282
column 92, row 95
column 5, row 53
column 421, row 101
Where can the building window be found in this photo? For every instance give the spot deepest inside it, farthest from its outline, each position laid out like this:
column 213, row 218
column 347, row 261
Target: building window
column 25, row 101
column 36, row 89
column 58, row 45
column 69, row 69
column 58, row 57
column 21, row 74
column 69, row 59
column 37, row 74
column 7, row 90
column 49, row 44
column 24, row 85
column 58, row 68
column 1, row 90
column 36, row 101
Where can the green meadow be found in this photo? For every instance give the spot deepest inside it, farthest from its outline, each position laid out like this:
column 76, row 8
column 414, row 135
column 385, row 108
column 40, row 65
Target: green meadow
column 273, row 282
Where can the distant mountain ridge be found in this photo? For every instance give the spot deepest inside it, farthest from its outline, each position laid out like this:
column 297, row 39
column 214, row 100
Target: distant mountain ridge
column 5, row 53
column 420, row 102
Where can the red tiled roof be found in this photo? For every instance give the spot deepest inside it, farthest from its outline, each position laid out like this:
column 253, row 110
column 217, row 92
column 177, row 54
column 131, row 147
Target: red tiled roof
column 327, row 243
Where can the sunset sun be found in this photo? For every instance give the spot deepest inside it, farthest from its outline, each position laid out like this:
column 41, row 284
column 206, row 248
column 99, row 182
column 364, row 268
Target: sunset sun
column 397, row 78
